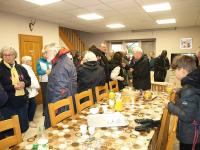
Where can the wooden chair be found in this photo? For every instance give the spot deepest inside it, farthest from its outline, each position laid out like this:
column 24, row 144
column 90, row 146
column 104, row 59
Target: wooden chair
column 53, row 107
column 163, row 133
column 80, row 96
column 158, row 86
column 172, row 134
column 15, row 139
column 113, row 85
column 101, row 92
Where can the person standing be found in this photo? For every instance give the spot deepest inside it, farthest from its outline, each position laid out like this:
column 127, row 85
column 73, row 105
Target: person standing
column 33, row 90
column 197, row 57
column 14, row 79
column 141, row 70
column 62, row 79
column 187, row 106
column 43, row 70
column 161, row 65
column 103, row 51
column 90, row 74
column 117, row 69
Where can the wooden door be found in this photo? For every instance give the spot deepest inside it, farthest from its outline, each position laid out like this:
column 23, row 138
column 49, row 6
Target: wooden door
column 31, row 46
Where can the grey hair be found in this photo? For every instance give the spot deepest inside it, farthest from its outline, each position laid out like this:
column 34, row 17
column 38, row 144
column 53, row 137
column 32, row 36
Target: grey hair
column 8, row 48
column 25, row 59
column 137, row 49
column 52, row 46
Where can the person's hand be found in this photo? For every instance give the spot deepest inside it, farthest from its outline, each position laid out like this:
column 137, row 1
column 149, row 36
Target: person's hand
column 166, row 103
column 48, row 71
column 131, row 69
column 22, row 84
column 19, row 85
column 120, row 78
column 123, row 65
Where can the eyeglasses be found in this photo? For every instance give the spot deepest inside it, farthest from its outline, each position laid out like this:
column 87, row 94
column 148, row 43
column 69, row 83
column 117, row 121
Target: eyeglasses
column 7, row 55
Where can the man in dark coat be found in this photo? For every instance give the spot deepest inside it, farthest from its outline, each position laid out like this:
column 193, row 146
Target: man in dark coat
column 161, row 65
column 141, row 70
column 62, row 81
column 90, row 74
column 187, row 106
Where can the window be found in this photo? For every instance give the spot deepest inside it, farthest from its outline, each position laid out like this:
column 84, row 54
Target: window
column 116, row 47
column 130, row 46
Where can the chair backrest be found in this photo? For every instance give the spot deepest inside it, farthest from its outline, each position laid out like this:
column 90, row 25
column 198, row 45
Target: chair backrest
column 113, row 85
column 163, row 133
column 56, row 116
column 172, row 133
column 158, row 86
column 81, row 102
column 101, row 92
column 16, row 138
column 173, row 97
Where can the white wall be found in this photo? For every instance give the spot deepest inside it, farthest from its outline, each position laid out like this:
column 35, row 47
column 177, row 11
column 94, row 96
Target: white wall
column 166, row 39
column 12, row 25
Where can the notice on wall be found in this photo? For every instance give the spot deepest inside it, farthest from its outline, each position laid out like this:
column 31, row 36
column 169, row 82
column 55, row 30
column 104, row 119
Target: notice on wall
column 186, row 43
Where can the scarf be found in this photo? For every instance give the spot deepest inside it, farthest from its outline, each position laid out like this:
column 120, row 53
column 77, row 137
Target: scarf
column 15, row 79
column 60, row 53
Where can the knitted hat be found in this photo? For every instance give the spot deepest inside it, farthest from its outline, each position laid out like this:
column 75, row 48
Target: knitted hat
column 90, row 56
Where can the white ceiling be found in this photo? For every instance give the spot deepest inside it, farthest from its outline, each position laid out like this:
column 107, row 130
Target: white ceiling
column 127, row 12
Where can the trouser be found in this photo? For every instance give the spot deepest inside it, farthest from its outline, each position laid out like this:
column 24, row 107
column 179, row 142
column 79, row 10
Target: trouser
column 43, row 89
column 31, row 108
column 188, row 146
column 8, row 112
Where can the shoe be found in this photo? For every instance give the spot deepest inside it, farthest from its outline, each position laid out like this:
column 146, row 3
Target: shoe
column 32, row 124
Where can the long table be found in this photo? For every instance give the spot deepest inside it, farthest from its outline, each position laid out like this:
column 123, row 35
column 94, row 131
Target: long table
column 67, row 133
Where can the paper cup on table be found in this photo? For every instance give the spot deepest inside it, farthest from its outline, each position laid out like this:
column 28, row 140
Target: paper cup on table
column 83, row 129
column 105, row 108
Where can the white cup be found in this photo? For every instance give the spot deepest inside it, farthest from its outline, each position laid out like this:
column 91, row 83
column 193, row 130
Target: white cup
column 105, row 108
column 91, row 130
column 83, row 128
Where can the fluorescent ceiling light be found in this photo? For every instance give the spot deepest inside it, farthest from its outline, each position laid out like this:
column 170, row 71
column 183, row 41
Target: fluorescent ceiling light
column 157, row 7
column 115, row 26
column 166, row 21
column 91, row 16
column 42, row 2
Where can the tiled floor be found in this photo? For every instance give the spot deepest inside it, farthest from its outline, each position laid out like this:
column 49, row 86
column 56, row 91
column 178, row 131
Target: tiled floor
column 40, row 122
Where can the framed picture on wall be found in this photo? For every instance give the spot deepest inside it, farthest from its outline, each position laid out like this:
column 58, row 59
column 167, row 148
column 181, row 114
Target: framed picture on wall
column 186, row 43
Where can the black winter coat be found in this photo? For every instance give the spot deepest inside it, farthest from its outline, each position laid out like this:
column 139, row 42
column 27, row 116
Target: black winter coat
column 89, row 75
column 187, row 107
column 141, row 74
column 161, row 65
column 5, row 79
column 3, row 96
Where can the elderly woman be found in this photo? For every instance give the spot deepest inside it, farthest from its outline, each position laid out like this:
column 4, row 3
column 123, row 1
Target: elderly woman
column 62, row 81
column 90, row 73
column 14, row 79
column 33, row 89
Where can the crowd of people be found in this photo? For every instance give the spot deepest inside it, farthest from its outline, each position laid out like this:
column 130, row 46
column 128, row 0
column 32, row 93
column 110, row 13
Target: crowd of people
column 61, row 76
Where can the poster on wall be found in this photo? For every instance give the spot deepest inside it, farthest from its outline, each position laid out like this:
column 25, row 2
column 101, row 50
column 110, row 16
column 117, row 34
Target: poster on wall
column 186, row 43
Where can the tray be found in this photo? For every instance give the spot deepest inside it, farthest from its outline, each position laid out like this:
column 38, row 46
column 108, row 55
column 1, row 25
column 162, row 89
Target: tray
column 107, row 120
